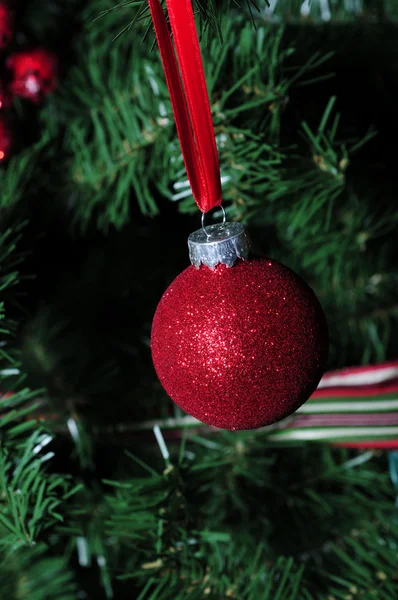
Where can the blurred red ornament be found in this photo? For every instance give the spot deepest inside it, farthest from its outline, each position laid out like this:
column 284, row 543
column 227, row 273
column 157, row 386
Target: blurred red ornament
column 34, row 74
column 239, row 347
column 6, row 24
column 6, row 140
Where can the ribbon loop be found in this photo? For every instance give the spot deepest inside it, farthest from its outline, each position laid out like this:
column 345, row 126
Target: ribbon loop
column 189, row 99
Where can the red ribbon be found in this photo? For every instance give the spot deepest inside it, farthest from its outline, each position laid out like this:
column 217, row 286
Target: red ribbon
column 189, row 99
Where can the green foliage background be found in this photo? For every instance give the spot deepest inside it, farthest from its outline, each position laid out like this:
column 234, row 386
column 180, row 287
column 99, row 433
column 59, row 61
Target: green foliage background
column 94, row 214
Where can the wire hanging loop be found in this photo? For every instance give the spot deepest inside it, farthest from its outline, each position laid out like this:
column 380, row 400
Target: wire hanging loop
column 224, row 219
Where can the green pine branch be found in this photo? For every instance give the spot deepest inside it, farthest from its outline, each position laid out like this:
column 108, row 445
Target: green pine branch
column 30, row 496
column 32, row 573
column 189, row 530
column 123, row 136
column 16, row 177
column 365, row 564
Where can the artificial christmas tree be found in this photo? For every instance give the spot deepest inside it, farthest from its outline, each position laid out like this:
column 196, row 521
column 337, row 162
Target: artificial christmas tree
column 108, row 490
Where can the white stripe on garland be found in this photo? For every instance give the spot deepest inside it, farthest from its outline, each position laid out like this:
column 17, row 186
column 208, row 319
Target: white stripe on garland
column 360, row 378
column 333, row 433
column 352, row 406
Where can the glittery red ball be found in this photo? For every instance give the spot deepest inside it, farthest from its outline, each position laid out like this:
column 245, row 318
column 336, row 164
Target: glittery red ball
column 33, row 74
column 6, row 140
column 6, row 24
column 240, row 347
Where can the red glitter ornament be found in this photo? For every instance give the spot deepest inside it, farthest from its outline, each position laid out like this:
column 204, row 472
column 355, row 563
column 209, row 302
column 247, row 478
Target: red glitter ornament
column 6, row 24
column 34, row 74
column 240, row 347
column 6, row 140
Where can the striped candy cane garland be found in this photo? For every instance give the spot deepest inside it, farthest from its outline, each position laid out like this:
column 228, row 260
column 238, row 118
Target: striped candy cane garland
column 354, row 407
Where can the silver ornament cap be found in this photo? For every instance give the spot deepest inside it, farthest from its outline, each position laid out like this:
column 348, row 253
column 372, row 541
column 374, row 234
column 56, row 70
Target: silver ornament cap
column 217, row 244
